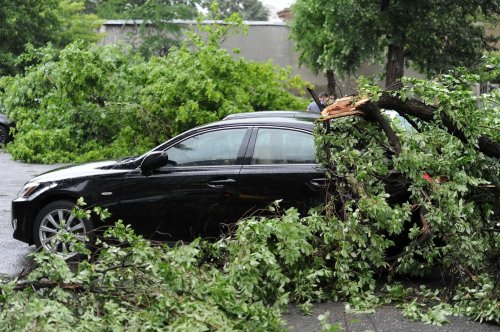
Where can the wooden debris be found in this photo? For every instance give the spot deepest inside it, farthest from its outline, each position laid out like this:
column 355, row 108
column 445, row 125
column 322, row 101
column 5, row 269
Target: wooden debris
column 342, row 107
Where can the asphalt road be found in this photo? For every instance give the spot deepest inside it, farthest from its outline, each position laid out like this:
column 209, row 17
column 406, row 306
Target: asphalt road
column 13, row 175
column 14, row 258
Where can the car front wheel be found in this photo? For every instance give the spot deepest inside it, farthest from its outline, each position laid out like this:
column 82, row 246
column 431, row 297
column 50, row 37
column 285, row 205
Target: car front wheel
column 56, row 227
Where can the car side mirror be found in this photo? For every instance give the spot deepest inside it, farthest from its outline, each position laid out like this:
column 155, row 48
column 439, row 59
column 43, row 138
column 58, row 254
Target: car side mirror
column 153, row 161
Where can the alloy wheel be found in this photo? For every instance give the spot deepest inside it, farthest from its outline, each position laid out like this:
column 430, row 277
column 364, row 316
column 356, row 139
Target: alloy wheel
column 55, row 225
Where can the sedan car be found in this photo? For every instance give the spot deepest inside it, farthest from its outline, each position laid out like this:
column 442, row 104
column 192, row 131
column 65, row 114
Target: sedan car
column 5, row 125
column 190, row 186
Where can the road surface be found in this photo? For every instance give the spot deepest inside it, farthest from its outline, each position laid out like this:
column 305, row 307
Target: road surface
column 13, row 175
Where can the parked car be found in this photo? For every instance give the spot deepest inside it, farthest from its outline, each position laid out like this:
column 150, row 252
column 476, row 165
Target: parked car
column 190, row 186
column 5, row 125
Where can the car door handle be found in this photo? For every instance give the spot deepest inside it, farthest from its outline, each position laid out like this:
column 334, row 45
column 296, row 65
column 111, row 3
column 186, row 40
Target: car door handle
column 220, row 183
column 318, row 183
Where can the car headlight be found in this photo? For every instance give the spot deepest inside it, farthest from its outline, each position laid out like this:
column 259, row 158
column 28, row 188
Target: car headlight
column 28, row 189
column 31, row 187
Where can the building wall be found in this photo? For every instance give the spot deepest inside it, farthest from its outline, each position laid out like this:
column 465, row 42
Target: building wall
column 264, row 41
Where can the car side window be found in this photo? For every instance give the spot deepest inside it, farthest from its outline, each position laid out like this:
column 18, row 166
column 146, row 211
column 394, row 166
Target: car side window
column 282, row 146
column 208, row 149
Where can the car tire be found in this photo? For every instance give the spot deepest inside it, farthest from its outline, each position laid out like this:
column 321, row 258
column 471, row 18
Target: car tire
column 4, row 135
column 57, row 218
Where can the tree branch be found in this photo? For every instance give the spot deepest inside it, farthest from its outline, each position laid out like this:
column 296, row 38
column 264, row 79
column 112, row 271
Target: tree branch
column 373, row 112
column 427, row 112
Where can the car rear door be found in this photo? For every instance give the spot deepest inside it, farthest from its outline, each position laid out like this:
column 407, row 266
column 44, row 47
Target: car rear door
column 281, row 164
column 195, row 193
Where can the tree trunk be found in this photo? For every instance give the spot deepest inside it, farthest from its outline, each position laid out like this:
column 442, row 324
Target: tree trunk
column 331, row 83
column 395, row 62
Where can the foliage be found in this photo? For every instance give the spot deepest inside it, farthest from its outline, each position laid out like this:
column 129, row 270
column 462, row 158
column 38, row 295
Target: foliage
column 435, row 35
column 118, row 104
column 309, row 33
column 489, row 69
column 362, row 236
column 201, row 82
column 339, row 252
column 252, row 10
column 111, row 9
column 64, row 110
column 38, row 22
column 242, row 281
column 75, row 25
column 134, row 285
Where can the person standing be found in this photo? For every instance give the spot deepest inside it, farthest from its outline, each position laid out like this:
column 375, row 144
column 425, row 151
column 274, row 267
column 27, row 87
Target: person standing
column 315, row 108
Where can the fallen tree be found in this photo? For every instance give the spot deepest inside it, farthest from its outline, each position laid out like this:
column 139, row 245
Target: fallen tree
column 346, row 106
column 427, row 197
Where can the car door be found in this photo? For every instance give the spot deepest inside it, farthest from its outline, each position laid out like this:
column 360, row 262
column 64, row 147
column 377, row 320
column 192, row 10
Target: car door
column 281, row 164
column 195, row 193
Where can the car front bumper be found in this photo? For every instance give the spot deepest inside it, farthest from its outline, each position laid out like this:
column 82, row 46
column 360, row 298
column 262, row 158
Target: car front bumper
column 23, row 218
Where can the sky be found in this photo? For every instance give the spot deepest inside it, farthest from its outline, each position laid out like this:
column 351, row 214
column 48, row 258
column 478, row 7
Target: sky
column 277, row 3
column 275, row 6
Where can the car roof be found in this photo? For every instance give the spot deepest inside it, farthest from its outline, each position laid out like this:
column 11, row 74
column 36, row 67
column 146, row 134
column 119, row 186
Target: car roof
column 307, row 123
column 280, row 114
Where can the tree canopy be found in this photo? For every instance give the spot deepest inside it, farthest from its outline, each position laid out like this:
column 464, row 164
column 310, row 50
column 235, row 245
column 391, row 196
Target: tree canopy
column 39, row 22
column 252, row 10
column 434, row 35
column 124, row 9
column 112, row 9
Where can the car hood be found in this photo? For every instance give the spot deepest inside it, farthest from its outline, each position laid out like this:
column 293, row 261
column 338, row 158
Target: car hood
column 80, row 171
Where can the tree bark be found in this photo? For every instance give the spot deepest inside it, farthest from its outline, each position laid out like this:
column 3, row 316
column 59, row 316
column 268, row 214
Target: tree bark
column 395, row 62
column 411, row 107
column 331, row 83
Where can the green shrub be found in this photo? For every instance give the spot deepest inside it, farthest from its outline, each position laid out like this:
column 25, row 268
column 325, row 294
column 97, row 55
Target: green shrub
column 106, row 102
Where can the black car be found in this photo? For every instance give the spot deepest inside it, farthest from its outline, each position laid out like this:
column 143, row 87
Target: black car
column 5, row 125
column 192, row 185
